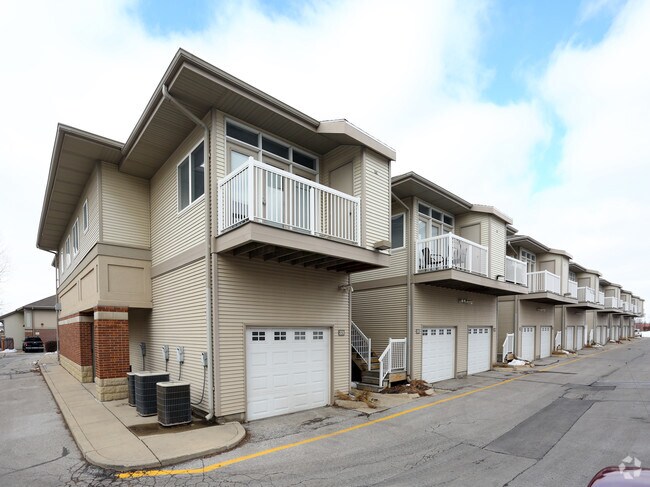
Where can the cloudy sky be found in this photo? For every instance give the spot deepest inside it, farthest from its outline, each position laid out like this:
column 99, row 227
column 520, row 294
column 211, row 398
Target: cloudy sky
column 541, row 108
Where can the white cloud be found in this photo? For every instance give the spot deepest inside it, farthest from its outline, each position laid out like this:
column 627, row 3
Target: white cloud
column 409, row 74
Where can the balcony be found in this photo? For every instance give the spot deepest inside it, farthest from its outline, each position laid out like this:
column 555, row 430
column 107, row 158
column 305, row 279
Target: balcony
column 611, row 302
column 516, row 271
column 601, row 298
column 543, row 282
column 457, row 263
column 625, row 306
column 573, row 289
column 586, row 295
column 450, row 251
column 271, row 214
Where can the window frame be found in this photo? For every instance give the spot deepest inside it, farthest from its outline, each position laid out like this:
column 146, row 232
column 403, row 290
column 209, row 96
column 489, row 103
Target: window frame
column 191, row 202
column 74, row 232
column 443, row 227
column 529, row 258
column 262, row 153
column 392, row 218
column 85, row 217
column 68, row 255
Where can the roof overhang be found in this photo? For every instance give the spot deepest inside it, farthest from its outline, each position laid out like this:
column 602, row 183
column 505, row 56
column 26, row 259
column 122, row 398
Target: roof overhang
column 411, row 184
column 199, row 86
column 491, row 210
column 549, row 298
column 74, row 158
column 529, row 243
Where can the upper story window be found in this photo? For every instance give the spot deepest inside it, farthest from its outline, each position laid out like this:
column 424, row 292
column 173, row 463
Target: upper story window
column 572, row 276
column 75, row 237
column 397, row 231
column 191, row 177
column 529, row 258
column 84, row 216
column 61, row 261
column 68, row 258
column 248, row 142
column 433, row 222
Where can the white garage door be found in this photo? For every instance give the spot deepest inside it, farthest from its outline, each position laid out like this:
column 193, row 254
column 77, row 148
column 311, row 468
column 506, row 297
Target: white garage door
column 528, row 343
column 438, row 353
column 479, row 346
column 600, row 335
column 545, row 346
column 568, row 345
column 287, row 370
column 580, row 337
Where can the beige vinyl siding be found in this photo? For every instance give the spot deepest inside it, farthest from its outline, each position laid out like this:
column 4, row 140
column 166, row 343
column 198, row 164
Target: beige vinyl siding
column 377, row 198
column 43, row 319
column 14, row 328
column 482, row 219
column 88, row 239
column 125, row 208
column 439, row 307
column 616, row 320
column 575, row 317
column 497, row 245
column 139, row 327
column 380, row 314
column 398, row 258
column 177, row 319
column 506, row 321
column 173, row 232
column 602, row 319
column 255, row 293
column 338, row 157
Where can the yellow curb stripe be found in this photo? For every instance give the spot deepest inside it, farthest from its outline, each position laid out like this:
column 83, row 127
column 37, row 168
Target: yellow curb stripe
column 216, row 466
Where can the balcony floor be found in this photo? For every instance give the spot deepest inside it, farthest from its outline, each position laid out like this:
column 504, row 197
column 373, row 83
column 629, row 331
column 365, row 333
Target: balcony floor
column 466, row 281
column 271, row 244
column 550, row 298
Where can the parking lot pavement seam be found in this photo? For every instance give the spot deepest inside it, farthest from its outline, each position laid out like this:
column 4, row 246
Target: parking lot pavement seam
column 232, row 461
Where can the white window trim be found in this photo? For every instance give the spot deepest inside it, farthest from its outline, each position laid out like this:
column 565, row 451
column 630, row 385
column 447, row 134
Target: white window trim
column 85, row 216
column 397, row 215
column 75, row 237
column 261, row 152
column 187, row 156
column 442, row 225
column 68, row 255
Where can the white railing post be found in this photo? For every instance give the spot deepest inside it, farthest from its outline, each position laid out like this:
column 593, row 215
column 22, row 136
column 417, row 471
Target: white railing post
column 508, row 346
column 252, row 211
column 361, row 344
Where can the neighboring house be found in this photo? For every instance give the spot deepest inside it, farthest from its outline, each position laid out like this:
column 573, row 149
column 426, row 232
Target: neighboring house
column 432, row 314
column 251, row 280
column 532, row 318
column 33, row 319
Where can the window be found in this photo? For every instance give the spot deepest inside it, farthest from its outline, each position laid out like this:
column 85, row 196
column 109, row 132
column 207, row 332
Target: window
column 61, row 261
column 299, row 335
column 317, row 335
column 67, row 252
column 259, row 336
column 529, row 258
column 265, row 145
column 397, row 231
column 572, row 276
column 191, row 178
column 84, row 216
column 433, row 222
column 280, row 335
column 75, row 237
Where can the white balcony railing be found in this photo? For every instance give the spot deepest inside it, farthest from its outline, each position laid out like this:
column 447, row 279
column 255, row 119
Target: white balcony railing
column 586, row 295
column 516, row 271
column 361, row 344
column 508, row 346
column 393, row 358
column 262, row 193
column 625, row 306
column 573, row 289
column 558, row 341
column 543, row 281
column 450, row 251
column 611, row 302
column 601, row 298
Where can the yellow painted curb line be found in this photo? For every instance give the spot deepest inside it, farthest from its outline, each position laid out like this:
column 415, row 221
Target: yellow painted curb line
column 216, row 466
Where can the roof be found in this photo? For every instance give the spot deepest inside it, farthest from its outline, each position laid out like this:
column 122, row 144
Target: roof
column 42, row 304
column 574, row 266
column 412, row 184
column 161, row 128
column 535, row 245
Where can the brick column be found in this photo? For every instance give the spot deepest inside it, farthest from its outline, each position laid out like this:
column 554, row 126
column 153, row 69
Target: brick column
column 111, row 336
column 75, row 347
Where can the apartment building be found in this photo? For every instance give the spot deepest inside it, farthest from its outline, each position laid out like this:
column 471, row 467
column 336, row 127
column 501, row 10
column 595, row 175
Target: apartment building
column 33, row 319
column 224, row 230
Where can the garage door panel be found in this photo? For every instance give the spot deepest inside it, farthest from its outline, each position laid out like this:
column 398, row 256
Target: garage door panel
column 570, row 330
column 438, row 353
column 545, row 346
column 286, row 371
column 528, row 343
column 479, row 347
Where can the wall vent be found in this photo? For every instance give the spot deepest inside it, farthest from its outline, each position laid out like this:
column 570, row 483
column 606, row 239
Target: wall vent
column 174, row 406
column 145, row 391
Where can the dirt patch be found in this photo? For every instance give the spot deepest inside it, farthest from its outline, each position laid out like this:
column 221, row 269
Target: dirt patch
column 357, row 396
column 414, row 387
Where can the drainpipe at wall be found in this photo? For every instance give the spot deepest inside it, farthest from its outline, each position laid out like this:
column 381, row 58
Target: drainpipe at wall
column 208, row 241
column 409, row 297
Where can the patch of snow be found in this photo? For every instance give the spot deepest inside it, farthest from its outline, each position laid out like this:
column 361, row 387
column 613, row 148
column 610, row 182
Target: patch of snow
column 515, row 362
column 51, row 353
column 9, row 350
column 645, row 334
column 597, row 345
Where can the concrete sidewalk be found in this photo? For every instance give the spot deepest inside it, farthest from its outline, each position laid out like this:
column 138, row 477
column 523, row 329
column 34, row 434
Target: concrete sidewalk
column 112, row 435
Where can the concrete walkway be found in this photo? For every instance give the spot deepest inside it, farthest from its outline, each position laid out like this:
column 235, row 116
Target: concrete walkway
column 112, row 435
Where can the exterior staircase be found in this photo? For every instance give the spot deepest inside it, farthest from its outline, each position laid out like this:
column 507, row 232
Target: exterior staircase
column 370, row 378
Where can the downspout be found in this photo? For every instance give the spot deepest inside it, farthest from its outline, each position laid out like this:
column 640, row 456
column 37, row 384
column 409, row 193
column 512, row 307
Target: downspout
column 57, row 304
column 409, row 297
column 208, row 242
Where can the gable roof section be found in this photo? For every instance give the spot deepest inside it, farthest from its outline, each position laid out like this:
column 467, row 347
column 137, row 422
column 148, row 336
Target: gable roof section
column 75, row 154
column 200, row 86
column 42, row 304
column 412, row 184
